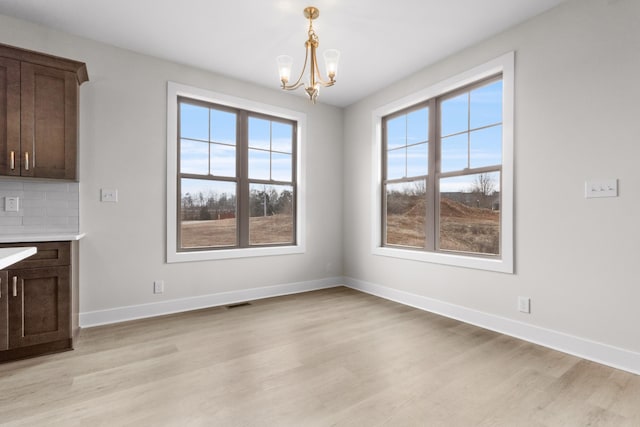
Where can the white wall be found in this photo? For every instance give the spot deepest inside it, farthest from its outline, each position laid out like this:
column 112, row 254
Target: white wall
column 123, row 146
column 577, row 116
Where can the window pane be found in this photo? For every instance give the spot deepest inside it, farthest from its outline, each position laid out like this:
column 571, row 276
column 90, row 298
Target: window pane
column 280, row 167
column 470, row 213
column 396, row 163
column 486, row 105
column 194, row 157
column 486, row 147
column 406, row 211
column 194, row 122
column 259, row 164
column 417, row 160
column 454, row 153
column 418, row 126
column 223, row 127
column 455, row 115
column 207, row 213
column 223, row 160
column 397, row 132
column 271, row 214
column 281, row 137
column 259, row 133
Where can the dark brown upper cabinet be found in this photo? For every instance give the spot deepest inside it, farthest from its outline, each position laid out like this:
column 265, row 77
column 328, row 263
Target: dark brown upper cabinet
column 39, row 114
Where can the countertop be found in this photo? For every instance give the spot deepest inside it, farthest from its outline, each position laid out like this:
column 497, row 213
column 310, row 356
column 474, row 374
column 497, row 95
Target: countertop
column 51, row 237
column 9, row 256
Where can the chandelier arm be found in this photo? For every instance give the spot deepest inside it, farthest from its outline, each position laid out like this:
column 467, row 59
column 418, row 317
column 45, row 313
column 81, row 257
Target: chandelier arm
column 326, row 84
column 292, row 87
column 319, row 78
column 298, row 82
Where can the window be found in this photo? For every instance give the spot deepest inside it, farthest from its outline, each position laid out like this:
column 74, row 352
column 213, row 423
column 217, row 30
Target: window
column 445, row 188
column 233, row 187
column 236, row 178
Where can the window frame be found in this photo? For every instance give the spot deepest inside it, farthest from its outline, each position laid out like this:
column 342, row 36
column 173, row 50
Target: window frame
column 504, row 263
column 251, row 109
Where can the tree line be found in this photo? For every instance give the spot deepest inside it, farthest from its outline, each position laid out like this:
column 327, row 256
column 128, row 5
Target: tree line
column 212, row 206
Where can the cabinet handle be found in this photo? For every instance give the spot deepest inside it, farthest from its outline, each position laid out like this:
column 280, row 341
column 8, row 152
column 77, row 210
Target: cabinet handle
column 13, row 160
column 15, row 286
column 0, row 287
column 26, row 160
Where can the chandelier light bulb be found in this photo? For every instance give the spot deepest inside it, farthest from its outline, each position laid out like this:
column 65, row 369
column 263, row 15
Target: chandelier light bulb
column 331, row 57
column 285, row 63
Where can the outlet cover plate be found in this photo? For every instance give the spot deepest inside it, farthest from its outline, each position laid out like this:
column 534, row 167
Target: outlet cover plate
column 158, row 286
column 11, row 204
column 524, row 304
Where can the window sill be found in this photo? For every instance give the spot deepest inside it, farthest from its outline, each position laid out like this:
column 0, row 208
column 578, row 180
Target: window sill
column 489, row 264
column 219, row 254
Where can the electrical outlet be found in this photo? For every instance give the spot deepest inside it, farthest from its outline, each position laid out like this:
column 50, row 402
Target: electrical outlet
column 524, row 304
column 158, row 286
column 11, row 204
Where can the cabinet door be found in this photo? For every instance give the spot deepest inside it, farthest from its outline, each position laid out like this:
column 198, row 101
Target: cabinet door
column 49, row 105
column 4, row 311
column 40, row 310
column 9, row 117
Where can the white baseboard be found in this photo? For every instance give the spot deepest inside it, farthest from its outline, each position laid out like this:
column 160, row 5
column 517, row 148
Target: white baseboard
column 597, row 352
column 121, row 314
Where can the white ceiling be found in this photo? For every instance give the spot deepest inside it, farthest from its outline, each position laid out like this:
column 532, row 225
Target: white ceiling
column 380, row 41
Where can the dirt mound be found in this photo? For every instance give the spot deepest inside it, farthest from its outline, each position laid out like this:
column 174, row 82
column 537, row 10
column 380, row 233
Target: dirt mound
column 418, row 205
column 451, row 208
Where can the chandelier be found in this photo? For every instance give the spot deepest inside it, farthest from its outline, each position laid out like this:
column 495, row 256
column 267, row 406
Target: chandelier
column 331, row 56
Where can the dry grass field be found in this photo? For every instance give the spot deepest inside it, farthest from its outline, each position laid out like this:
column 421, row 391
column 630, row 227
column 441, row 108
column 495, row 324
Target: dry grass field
column 262, row 230
column 270, row 229
column 462, row 228
column 468, row 229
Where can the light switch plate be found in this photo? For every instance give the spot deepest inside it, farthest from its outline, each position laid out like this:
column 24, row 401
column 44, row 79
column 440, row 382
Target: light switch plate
column 596, row 188
column 11, row 204
column 108, row 195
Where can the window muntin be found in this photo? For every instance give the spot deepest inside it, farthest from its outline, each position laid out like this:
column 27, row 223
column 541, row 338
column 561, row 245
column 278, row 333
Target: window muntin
column 454, row 213
column 270, row 150
column 225, row 155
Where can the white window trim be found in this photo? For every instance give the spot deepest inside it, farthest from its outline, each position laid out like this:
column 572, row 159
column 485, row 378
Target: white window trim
column 504, row 64
column 173, row 91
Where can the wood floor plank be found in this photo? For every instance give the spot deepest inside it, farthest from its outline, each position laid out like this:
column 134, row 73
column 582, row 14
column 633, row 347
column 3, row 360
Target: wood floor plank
column 334, row 357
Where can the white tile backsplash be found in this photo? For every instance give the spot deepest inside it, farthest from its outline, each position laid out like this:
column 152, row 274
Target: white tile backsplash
column 44, row 207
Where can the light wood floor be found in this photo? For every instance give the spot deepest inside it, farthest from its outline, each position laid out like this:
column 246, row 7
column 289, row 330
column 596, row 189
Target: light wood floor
column 331, row 357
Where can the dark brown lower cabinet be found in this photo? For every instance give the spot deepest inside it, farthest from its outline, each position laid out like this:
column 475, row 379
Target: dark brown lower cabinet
column 4, row 311
column 36, row 303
